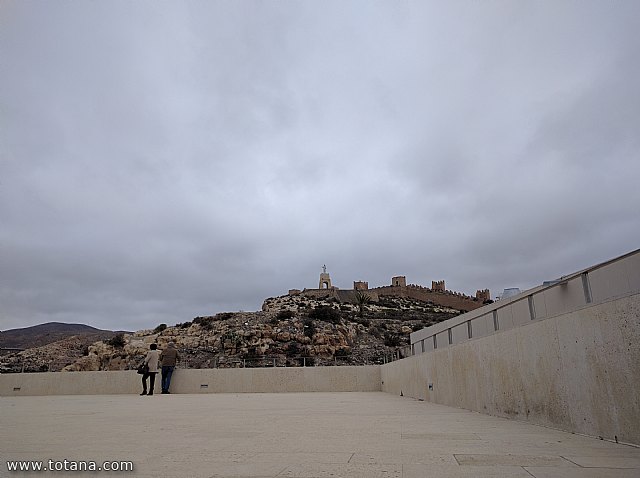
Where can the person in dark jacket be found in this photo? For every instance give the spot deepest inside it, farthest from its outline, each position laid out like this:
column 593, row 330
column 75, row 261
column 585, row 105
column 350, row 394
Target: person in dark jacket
column 169, row 356
column 151, row 360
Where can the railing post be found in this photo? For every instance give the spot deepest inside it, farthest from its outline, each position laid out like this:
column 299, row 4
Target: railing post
column 304, row 361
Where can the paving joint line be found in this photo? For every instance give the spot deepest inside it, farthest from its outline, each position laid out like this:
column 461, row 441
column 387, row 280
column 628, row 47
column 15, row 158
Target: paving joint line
column 571, row 461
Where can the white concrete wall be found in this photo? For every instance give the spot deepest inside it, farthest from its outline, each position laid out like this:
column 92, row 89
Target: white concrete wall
column 579, row 371
column 293, row 379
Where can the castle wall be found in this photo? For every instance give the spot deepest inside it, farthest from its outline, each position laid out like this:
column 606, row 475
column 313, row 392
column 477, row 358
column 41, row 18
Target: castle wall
column 398, row 288
column 319, row 293
column 446, row 299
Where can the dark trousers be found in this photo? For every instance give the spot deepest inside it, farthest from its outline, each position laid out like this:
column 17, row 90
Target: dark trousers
column 152, row 381
column 167, row 371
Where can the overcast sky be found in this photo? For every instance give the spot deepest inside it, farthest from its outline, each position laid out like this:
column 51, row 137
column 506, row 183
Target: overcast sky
column 164, row 160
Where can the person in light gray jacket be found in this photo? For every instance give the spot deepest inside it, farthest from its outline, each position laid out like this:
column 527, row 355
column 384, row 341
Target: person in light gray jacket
column 151, row 360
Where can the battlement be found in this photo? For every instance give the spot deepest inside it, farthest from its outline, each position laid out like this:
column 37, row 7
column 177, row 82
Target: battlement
column 438, row 285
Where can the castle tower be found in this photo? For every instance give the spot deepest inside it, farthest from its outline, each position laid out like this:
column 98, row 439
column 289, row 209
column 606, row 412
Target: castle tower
column 438, row 285
column 399, row 281
column 325, row 279
column 360, row 285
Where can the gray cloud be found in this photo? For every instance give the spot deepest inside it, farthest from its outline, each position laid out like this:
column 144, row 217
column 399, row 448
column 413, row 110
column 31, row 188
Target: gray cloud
column 163, row 160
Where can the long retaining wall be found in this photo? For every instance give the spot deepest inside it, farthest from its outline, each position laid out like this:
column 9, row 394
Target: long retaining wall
column 266, row 380
column 566, row 356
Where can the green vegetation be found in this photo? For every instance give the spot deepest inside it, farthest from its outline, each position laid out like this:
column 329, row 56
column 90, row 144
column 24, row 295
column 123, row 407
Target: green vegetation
column 117, row 341
column 309, row 328
column 293, row 349
column 326, row 314
column 230, row 336
column 205, row 322
column 224, row 316
column 362, row 300
column 286, row 315
column 391, row 340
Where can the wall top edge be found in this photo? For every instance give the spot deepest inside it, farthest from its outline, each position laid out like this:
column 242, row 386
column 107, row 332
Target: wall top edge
column 489, row 308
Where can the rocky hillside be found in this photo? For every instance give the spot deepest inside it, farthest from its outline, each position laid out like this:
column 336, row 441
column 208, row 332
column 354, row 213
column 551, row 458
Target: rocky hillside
column 290, row 330
column 51, row 357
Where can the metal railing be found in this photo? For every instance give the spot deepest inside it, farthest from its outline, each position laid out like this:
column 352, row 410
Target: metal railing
column 270, row 361
column 23, row 366
column 221, row 361
column 190, row 361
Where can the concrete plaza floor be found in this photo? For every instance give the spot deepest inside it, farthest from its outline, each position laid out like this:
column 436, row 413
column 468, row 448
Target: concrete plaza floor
column 306, row 435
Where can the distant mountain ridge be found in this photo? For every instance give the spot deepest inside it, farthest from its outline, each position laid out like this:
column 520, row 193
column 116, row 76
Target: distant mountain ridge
column 43, row 334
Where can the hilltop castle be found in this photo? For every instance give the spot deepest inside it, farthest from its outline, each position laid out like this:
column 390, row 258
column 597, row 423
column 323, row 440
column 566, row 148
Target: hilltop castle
column 438, row 294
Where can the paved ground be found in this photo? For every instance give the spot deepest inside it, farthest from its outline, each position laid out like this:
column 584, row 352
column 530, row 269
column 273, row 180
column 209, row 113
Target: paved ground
column 333, row 435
